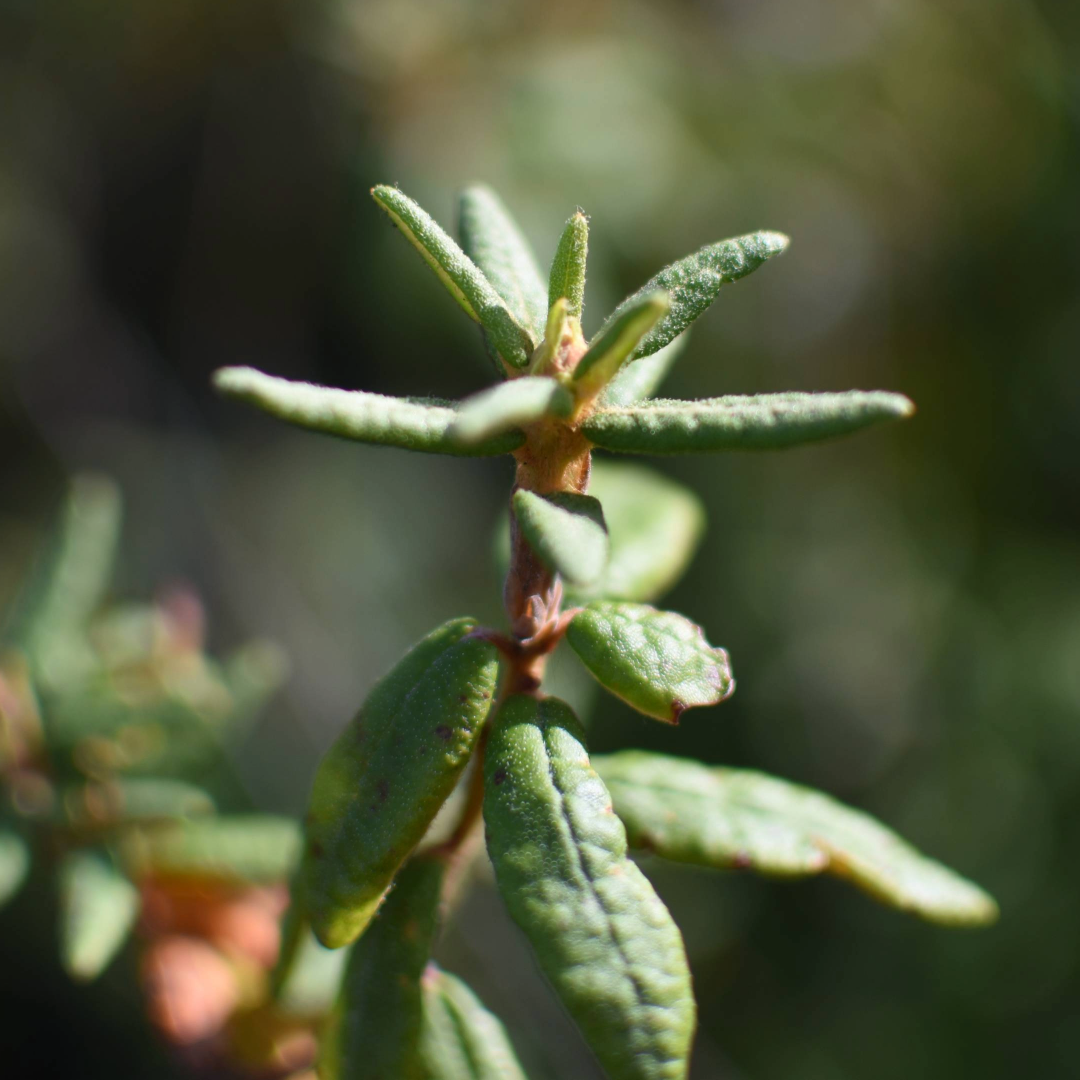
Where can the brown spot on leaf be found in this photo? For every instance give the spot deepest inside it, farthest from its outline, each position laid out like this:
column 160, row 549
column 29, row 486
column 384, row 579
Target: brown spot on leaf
column 317, row 849
column 383, row 788
column 499, row 777
column 443, row 732
column 677, row 709
column 742, row 860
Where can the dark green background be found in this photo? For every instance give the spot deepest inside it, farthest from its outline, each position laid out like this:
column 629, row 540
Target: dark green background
column 184, row 185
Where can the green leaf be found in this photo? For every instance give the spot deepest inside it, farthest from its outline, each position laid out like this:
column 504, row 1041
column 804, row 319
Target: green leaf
column 567, row 278
column 380, row 785
column 410, row 424
column 567, row 531
column 611, row 348
column 461, row 276
column 461, row 1040
column 503, row 408
column 655, row 526
column 600, row 933
column 375, row 1034
column 492, row 239
column 98, row 908
column 694, row 282
column 312, row 982
column 762, row 422
column 238, row 848
column 712, row 816
column 134, row 800
column 14, row 864
column 658, row 662
column 641, row 378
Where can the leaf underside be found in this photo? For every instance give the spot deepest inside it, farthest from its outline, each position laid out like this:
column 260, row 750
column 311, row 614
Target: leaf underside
column 721, row 817
column 567, row 531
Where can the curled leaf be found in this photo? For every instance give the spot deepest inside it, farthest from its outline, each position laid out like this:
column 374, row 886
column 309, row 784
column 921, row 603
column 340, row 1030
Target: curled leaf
column 567, row 531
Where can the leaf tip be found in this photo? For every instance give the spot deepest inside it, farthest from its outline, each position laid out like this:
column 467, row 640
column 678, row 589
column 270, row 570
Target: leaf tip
column 234, row 380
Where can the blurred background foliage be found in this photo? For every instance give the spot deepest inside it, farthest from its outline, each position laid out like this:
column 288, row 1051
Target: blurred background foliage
column 183, row 184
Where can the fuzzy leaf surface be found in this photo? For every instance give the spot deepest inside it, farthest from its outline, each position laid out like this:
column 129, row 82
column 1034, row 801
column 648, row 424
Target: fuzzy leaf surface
column 658, row 662
column 640, row 379
column 409, row 424
column 714, row 816
column 98, row 906
column 464, row 280
column 761, row 422
column 611, row 348
column 376, row 1030
column 382, row 782
column 694, row 282
column 461, row 1040
column 567, row 531
column 567, row 278
column 600, row 933
column 492, row 239
column 498, row 411
column 14, row 864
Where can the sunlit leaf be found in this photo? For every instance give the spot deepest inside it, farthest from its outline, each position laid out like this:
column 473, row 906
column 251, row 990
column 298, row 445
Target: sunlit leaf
column 762, row 422
column 658, row 662
column 567, row 531
column 98, row 907
column 567, row 278
column 641, row 378
column 610, row 349
column 409, row 424
column 14, row 864
column 713, row 816
column 505, row 407
column 599, row 931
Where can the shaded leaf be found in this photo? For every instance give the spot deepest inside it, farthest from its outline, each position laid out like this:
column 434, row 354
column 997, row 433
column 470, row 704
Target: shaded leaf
column 600, row 933
column 492, row 239
column 376, row 1030
column 382, row 782
column 641, row 378
column 567, row 531
column 567, row 278
column 98, row 907
column 503, row 408
column 355, row 414
column 461, row 1040
column 14, row 864
column 762, row 422
column 658, row 662
column 713, row 816
column 694, row 282
column 313, row 979
column 461, row 276
column 610, row 349
column 134, row 800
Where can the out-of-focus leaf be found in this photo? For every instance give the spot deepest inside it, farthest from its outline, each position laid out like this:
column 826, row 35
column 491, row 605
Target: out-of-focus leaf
column 694, row 282
column 492, row 239
column 376, row 1030
column 240, row 847
column 600, row 933
column 641, row 378
column 98, row 908
column 461, row 1040
column 713, row 816
column 610, row 349
column 762, row 422
column 410, row 424
column 382, row 782
column 134, row 801
column 658, row 662
column 311, row 985
column 501, row 409
column 567, row 531
column 461, row 276
column 14, row 864
column 567, row 278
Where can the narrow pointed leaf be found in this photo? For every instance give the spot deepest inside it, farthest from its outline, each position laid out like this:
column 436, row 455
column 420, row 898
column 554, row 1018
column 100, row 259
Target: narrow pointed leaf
column 641, row 378
column 461, row 276
column 354, row 414
column 567, row 276
column 655, row 526
column 614, row 345
column 492, row 239
column 382, row 782
column 600, row 933
column 658, row 662
column 762, row 422
column 567, row 531
column 14, row 864
column 499, row 411
column 238, row 848
column 376, row 1031
column 694, row 282
column 461, row 1040
column 98, row 908
column 712, row 816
